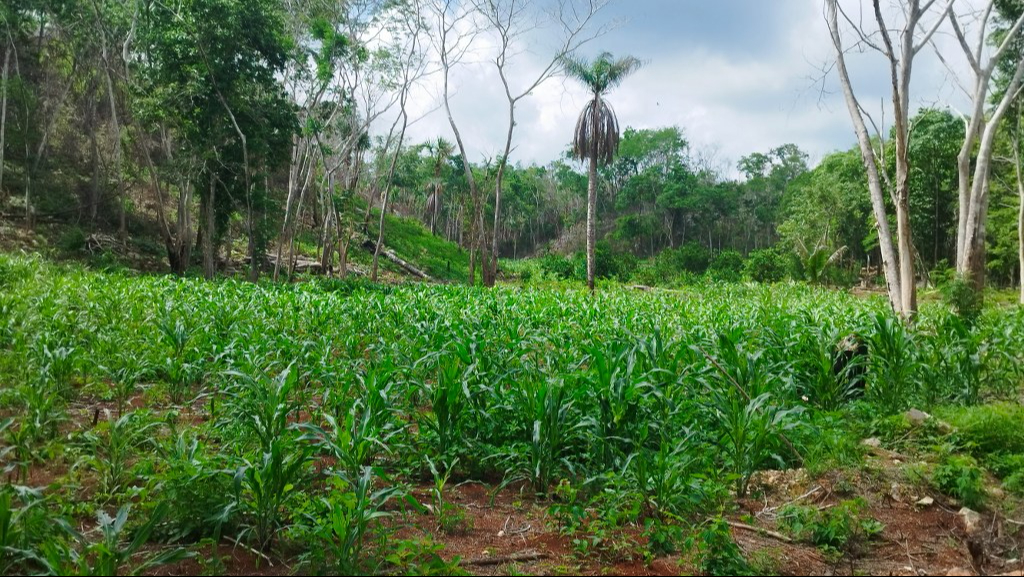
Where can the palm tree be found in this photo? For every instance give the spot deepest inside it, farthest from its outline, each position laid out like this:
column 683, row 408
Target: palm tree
column 597, row 130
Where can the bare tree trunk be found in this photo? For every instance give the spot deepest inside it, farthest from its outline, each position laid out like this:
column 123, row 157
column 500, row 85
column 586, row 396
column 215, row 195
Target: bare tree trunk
column 963, row 164
column 449, row 55
column 387, row 186
column 94, row 158
column 1020, row 216
column 908, row 284
column 890, row 259
column 122, row 227
column 208, row 210
column 327, row 254
column 285, row 237
column 497, row 189
column 973, row 192
column 3, row 115
column 183, row 247
column 974, row 245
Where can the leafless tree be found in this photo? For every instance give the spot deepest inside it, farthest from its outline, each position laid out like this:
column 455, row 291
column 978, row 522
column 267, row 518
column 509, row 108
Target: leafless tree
column 981, row 130
column 899, row 43
column 455, row 31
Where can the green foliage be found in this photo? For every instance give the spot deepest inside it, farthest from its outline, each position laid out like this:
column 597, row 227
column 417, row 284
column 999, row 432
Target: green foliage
column 727, row 266
column 752, row 428
column 892, row 376
column 558, row 266
column 421, row 557
column 965, row 300
column 72, row 240
column 690, row 257
column 961, row 477
column 111, row 447
column 610, row 263
column 342, row 530
column 451, row 518
column 715, row 552
column 110, row 555
column 765, row 265
column 1010, row 468
column 988, row 429
column 319, row 402
column 843, row 528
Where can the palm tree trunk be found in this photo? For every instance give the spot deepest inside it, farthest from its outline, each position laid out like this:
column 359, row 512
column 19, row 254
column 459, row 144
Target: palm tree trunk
column 592, row 200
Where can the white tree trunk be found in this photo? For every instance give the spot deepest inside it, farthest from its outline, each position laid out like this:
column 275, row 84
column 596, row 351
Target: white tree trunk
column 122, row 228
column 973, row 263
column 1020, row 216
column 890, row 259
column 3, row 114
column 973, row 188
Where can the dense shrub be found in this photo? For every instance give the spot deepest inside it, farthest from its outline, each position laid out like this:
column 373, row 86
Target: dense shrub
column 988, row 429
column 766, row 265
column 965, row 300
column 72, row 240
column 610, row 263
column 727, row 266
column 558, row 265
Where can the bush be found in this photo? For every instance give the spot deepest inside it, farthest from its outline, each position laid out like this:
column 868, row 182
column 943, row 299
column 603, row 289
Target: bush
column 674, row 266
column 1009, row 468
column 942, row 274
column 72, row 240
column 727, row 266
column 610, row 263
column 558, row 265
column 715, row 551
column 691, row 257
column 960, row 477
column 766, row 266
column 988, row 429
column 841, row 528
column 965, row 300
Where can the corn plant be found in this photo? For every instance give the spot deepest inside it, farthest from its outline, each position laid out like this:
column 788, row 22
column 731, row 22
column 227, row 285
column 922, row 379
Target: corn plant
column 260, row 406
column 58, row 368
column 112, row 554
column 621, row 388
column 555, row 428
column 893, row 365
column 265, row 486
column 21, row 528
column 124, row 381
column 449, row 400
column 826, row 378
column 751, row 429
column 112, row 446
column 665, row 479
column 450, row 518
column 341, row 534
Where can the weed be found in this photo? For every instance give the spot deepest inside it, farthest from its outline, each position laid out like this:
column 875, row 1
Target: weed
column 960, row 477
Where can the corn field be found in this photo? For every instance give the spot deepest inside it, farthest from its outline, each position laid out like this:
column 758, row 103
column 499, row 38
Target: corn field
column 142, row 417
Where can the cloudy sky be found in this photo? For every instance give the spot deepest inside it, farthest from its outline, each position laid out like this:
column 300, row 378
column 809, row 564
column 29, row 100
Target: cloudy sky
column 738, row 76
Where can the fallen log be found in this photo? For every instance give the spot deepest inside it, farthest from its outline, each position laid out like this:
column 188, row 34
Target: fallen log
column 391, row 256
column 527, row 556
column 759, row 530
